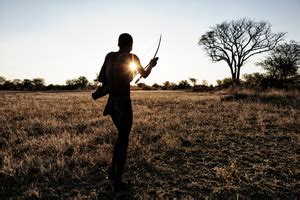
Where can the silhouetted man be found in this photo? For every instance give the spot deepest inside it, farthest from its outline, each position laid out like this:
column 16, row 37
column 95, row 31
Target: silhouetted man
column 116, row 76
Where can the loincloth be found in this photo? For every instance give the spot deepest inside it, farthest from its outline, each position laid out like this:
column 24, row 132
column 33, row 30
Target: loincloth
column 117, row 106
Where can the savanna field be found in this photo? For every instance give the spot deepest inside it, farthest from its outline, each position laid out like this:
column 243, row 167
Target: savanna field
column 226, row 144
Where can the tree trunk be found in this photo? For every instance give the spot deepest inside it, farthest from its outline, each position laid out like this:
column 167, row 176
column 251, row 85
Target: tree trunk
column 233, row 77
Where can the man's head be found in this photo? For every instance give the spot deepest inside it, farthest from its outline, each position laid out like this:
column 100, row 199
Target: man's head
column 125, row 42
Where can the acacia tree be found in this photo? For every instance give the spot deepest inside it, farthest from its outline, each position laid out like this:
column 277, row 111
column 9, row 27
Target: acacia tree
column 38, row 83
column 82, row 82
column 283, row 61
column 237, row 40
column 193, row 81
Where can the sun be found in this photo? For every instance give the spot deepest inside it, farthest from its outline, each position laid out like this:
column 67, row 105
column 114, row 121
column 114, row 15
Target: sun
column 132, row 66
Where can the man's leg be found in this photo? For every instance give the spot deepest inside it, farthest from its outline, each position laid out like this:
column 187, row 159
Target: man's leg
column 120, row 148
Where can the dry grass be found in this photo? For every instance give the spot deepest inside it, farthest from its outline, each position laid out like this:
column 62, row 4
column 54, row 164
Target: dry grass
column 190, row 145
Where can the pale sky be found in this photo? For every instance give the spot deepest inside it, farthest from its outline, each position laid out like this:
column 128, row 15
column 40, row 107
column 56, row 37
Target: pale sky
column 64, row 39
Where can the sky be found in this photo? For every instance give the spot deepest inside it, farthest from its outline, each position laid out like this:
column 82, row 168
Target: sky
column 64, row 39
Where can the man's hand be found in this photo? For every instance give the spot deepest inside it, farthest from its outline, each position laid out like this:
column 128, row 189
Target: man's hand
column 153, row 62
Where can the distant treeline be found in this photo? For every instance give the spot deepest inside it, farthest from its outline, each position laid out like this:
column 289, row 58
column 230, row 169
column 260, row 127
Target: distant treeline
column 255, row 80
column 38, row 84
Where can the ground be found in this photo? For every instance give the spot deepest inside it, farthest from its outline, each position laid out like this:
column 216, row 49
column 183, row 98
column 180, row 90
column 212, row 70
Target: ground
column 222, row 144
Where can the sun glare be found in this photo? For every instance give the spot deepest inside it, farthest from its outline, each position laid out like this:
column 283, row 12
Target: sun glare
column 132, row 66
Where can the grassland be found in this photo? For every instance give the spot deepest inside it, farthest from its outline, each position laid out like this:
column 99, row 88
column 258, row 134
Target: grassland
column 185, row 145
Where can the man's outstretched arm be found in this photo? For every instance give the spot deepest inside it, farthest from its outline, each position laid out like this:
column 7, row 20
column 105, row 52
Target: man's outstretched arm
column 145, row 72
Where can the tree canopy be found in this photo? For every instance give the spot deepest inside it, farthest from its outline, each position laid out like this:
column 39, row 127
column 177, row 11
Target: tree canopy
column 283, row 61
column 236, row 41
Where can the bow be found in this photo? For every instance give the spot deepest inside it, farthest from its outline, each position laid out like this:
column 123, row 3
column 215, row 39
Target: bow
column 152, row 59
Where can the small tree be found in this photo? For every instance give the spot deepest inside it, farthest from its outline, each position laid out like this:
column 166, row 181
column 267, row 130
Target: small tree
column 38, row 83
column 82, row 82
column 156, row 86
column 283, row 61
column 204, row 82
column 219, row 82
column 17, row 81
column 144, row 86
column 254, row 79
column 17, row 84
column 173, row 86
column 226, row 82
column 193, row 81
column 8, row 85
column 27, row 84
column 166, row 85
column 236, row 41
column 183, row 84
column 72, row 84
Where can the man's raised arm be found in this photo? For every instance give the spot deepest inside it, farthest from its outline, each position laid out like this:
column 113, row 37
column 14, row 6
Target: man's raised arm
column 145, row 72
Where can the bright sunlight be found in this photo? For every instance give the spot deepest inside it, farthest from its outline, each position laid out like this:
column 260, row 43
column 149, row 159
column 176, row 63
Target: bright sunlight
column 132, row 66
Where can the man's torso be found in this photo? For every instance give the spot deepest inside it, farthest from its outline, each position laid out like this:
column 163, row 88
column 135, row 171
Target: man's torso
column 118, row 73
